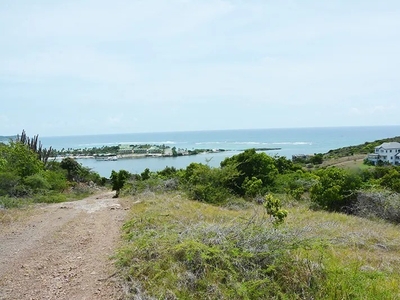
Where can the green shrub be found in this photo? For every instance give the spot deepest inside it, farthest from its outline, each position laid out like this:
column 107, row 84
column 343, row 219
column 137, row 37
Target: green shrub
column 37, row 182
column 50, row 198
column 336, row 188
column 153, row 184
column 253, row 187
column 7, row 202
column 57, row 180
column 8, row 183
column 274, row 209
column 207, row 184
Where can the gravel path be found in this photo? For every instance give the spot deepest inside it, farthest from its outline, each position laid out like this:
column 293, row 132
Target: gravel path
column 62, row 251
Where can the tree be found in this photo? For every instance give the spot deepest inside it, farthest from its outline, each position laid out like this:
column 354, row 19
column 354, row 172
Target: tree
column 118, row 179
column 285, row 165
column 251, row 164
column 72, row 167
column 145, row 174
column 317, row 159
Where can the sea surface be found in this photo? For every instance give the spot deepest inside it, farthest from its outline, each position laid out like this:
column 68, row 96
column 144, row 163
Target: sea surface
column 290, row 140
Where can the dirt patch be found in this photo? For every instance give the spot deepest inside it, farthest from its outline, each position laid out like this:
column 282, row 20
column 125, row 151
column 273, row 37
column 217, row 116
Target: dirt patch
column 63, row 251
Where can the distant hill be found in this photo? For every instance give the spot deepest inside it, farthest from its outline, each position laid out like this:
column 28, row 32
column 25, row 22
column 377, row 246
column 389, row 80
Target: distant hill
column 367, row 147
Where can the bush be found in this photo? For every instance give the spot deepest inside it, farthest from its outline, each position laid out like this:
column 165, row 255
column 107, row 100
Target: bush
column 382, row 204
column 155, row 185
column 12, row 202
column 118, row 180
column 336, row 188
column 37, row 182
column 8, row 183
column 207, row 184
column 57, row 180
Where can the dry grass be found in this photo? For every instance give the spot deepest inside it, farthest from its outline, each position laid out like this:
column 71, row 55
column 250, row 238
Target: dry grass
column 8, row 216
column 372, row 243
column 347, row 162
column 181, row 249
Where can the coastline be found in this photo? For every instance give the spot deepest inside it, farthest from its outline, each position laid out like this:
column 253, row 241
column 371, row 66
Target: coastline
column 152, row 155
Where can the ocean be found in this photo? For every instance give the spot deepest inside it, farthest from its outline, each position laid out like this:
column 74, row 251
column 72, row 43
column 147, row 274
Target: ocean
column 290, row 140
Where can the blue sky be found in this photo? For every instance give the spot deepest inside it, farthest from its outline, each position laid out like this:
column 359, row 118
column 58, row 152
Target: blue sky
column 95, row 66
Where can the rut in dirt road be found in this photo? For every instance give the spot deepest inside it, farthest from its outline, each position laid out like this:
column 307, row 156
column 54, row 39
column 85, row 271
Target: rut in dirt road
column 62, row 251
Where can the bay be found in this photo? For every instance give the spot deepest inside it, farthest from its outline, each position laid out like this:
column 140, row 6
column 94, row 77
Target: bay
column 290, row 140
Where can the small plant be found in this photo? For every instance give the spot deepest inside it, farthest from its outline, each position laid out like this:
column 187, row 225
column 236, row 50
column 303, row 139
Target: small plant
column 274, row 209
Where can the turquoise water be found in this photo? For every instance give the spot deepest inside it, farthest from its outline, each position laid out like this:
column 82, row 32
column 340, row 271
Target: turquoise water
column 290, row 140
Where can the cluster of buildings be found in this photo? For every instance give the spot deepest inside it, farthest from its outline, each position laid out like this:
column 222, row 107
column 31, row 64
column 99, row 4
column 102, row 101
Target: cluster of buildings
column 141, row 149
column 150, row 150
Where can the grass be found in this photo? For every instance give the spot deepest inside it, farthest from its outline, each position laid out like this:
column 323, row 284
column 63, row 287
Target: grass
column 180, row 249
column 12, row 209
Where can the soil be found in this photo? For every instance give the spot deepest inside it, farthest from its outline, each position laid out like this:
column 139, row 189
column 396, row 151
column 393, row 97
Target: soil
column 63, row 251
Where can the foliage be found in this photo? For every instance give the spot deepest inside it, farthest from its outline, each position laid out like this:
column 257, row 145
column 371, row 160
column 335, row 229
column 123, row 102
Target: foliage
column 72, row 167
column 294, row 182
column 35, row 145
column 118, row 180
column 251, row 164
column 145, row 174
column 335, row 188
column 274, row 209
column 252, row 187
column 391, row 180
column 37, row 182
column 211, row 185
column 26, row 176
column 8, row 183
column 317, row 159
column 19, row 159
column 136, row 186
column 285, row 165
column 168, row 172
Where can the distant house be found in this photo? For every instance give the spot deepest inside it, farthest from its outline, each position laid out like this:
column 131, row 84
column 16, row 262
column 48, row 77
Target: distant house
column 140, row 150
column 125, row 149
column 301, row 157
column 154, row 150
column 386, row 153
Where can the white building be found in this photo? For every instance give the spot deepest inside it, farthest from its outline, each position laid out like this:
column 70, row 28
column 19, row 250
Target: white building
column 387, row 153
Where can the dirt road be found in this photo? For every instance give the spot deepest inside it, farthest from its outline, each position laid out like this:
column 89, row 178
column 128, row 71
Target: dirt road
column 62, row 251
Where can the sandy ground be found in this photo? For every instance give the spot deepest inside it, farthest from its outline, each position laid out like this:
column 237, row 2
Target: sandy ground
column 63, row 251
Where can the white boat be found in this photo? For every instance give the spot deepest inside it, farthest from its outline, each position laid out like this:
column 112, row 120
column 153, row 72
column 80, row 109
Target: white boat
column 106, row 157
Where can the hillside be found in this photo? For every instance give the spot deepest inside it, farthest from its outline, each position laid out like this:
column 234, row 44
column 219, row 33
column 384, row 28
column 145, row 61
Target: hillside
column 367, row 147
column 181, row 249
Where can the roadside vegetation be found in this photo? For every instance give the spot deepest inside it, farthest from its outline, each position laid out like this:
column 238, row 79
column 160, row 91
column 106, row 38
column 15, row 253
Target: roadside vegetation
column 27, row 175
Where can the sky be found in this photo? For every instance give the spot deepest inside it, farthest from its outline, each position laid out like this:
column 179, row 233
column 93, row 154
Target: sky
column 81, row 67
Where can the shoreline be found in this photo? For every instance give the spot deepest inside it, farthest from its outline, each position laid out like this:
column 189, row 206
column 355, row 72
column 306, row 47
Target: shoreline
column 154, row 155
